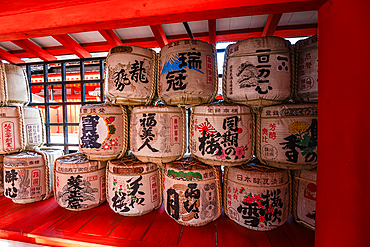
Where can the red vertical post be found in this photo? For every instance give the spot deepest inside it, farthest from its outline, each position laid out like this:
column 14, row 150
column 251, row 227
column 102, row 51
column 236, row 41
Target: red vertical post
column 343, row 171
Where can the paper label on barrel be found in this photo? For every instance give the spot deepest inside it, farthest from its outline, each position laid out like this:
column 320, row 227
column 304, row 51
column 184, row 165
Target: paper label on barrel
column 157, row 134
column 134, row 194
column 100, row 134
column 222, row 138
column 8, row 135
column 289, row 140
column 34, row 134
column 24, row 183
column 191, row 202
column 306, row 204
column 258, row 209
column 75, row 191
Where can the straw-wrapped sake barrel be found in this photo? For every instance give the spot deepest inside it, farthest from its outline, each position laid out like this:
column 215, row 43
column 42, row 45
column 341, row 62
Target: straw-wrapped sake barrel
column 158, row 133
column 79, row 182
column 222, row 134
column 257, row 71
column 307, row 65
column 131, row 75
column 287, row 136
column 1, row 175
column 134, row 187
column 26, row 177
column 304, row 198
column 22, row 128
column 103, row 131
column 257, row 197
column 14, row 90
column 188, row 73
column 192, row 192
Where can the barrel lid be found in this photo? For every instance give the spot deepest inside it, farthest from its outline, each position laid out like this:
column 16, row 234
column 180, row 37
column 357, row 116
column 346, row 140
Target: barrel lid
column 290, row 110
column 130, row 165
column 100, row 109
column 221, row 108
column 23, row 159
column 77, row 163
column 31, row 112
column 189, row 169
column 186, row 45
column 131, row 49
column 258, row 175
column 309, row 174
column 10, row 111
column 156, row 109
column 310, row 42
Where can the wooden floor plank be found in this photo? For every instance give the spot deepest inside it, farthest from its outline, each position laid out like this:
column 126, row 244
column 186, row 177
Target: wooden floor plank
column 163, row 230
column 199, row 236
column 299, row 235
column 279, row 238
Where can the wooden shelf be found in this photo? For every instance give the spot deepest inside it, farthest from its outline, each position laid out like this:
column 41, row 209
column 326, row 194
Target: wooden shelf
column 47, row 223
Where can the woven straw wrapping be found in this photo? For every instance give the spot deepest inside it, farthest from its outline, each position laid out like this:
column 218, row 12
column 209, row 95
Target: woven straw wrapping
column 134, row 187
column 12, row 126
column 286, row 136
column 1, row 175
column 79, row 182
column 257, row 197
column 257, row 71
column 14, row 89
column 131, row 75
column 192, row 192
column 158, row 133
column 304, row 198
column 188, row 73
column 306, row 63
column 103, row 131
column 222, row 134
column 27, row 177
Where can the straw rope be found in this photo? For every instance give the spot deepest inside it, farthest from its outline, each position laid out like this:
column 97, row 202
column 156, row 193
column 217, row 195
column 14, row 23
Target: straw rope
column 47, row 173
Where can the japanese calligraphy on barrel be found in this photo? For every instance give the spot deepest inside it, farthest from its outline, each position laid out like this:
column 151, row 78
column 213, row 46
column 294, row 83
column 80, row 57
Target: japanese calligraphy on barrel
column 103, row 131
column 131, row 75
column 26, row 177
column 304, row 198
column 158, row 133
column 188, row 73
column 134, row 187
column 257, row 197
column 79, row 182
column 22, row 128
column 307, row 65
column 14, row 89
column 1, row 175
column 222, row 134
column 192, row 192
column 257, row 71
column 287, row 136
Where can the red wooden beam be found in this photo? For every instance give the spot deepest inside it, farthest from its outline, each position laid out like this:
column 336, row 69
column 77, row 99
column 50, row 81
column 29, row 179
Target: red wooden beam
column 110, row 36
column 212, row 31
column 271, row 24
column 159, row 35
column 10, row 57
column 36, row 50
column 72, row 45
column 83, row 16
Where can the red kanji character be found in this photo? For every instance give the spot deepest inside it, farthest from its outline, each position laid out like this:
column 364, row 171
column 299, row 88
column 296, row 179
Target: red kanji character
column 272, row 127
column 264, row 139
column 272, row 135
column 264, row 131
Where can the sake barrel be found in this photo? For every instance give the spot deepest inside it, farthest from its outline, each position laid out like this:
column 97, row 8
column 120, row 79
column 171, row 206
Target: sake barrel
column 257, row 71
column 287, row 136
column 26, row 177
column 192, row 192
column 188, row 73
column 304, row 198
column 257, row 197
column 222, row 134
column 158, row 133
column 79, row 182
column 1, row 175
column 131, row 75
column 103, row 131
column 134, row 187
column 22, row 128
column 307, row 68
column 14, row 89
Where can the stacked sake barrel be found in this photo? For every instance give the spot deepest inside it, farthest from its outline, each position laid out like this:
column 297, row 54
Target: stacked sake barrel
column 25, row 171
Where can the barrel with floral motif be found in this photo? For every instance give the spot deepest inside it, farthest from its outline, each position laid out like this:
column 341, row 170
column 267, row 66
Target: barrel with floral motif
column 222, row 134
column 131, row 75
column 192, row 192
column 134, row 187
column 187, row 73
column 257, row 197
column 257, row 71
column 79, row 182
column 103, row 131
column 26, row 177
column 287, row 136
